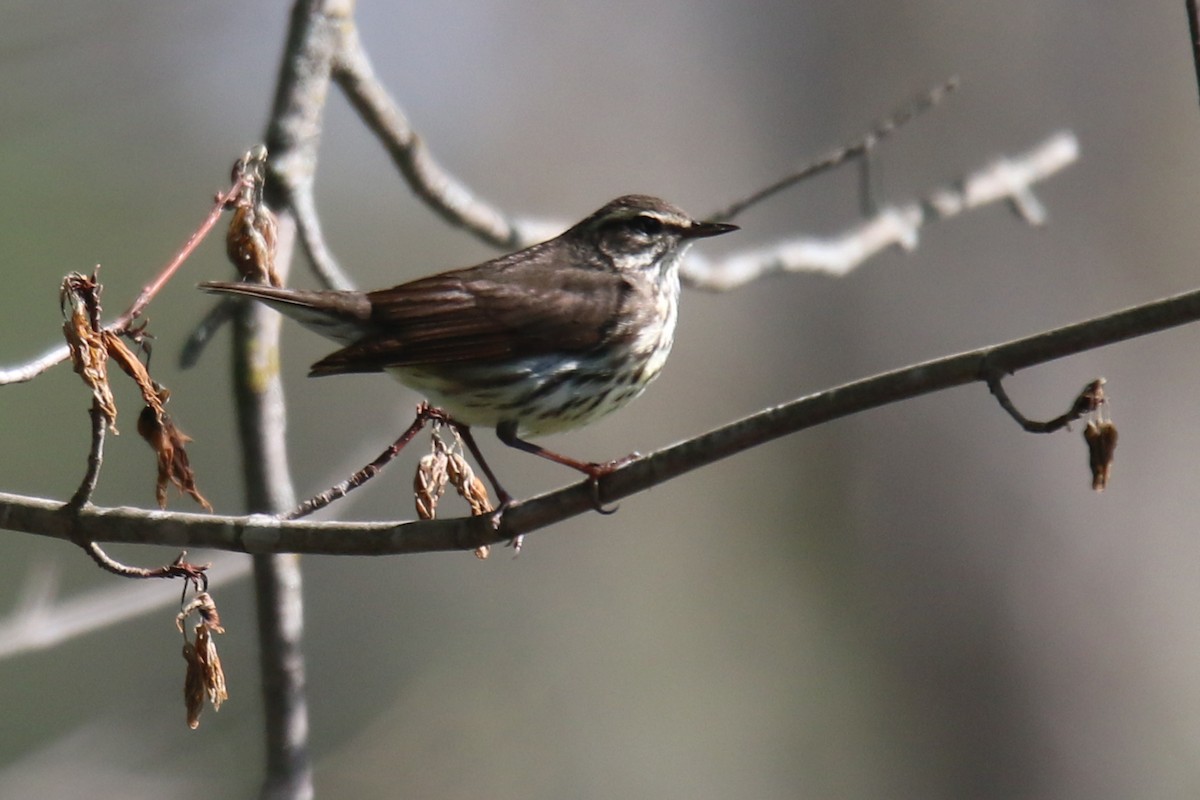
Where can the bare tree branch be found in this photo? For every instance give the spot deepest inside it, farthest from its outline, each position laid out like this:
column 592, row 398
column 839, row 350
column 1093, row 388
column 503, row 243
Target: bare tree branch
column 446, row 195
column 270, row 534
column 861, row 148
column 95, row 458
column 293, row 135
column 1010, row 179
column 308, row 225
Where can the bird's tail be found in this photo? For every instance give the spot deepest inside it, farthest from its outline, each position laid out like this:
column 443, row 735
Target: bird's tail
column 340, row 316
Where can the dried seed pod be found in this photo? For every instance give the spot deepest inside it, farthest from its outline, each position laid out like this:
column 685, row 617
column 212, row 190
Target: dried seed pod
column 429, row 483
column 468, row 485
column 253, row 232
column 250, row 243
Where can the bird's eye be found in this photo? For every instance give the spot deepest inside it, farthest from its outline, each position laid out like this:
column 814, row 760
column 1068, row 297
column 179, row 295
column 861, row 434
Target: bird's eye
column 650, row 226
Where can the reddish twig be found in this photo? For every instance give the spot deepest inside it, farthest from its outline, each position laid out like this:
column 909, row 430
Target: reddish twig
column 340, row 490
column 193, row 574
column 123, row 323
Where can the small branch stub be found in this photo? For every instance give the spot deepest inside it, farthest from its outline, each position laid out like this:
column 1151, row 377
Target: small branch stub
column 1100, row 432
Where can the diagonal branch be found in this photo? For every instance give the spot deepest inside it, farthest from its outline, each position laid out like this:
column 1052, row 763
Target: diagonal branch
column 1008, row 179
column 268, row 534
column 31, row 369
column 446, row 195
column 859, row 149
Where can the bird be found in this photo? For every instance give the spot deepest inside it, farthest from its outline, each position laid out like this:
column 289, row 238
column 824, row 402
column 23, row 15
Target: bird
column 545, row 339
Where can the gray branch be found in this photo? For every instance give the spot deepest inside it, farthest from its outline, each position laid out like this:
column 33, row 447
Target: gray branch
column 1009, row 179
column 261, row 534
column 441, row 191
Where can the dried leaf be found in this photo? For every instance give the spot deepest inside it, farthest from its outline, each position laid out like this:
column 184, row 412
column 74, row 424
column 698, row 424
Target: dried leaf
column 203, row 605
column 1101, row 438
column 127, row 360
column 193, row 685
column 205, row 678
column 214, row 675
column 468, row 484
column 156, row 426
column 167, row 441
column 79, row 298
column 429, row 483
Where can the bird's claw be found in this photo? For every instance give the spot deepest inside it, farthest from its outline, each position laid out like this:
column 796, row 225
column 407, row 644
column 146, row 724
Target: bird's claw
column 597, row 471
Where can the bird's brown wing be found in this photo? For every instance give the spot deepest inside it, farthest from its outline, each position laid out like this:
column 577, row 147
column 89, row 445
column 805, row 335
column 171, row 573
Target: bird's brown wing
column 508, row 308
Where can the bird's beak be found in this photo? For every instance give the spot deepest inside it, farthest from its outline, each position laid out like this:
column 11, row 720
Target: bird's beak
column 702, row 230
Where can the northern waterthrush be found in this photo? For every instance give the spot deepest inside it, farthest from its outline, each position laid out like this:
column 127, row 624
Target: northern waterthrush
column 545, row 339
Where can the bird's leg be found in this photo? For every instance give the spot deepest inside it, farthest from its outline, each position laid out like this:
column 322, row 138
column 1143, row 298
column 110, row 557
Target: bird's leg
column 507, row 433
column 505, row 499
column 464, row 432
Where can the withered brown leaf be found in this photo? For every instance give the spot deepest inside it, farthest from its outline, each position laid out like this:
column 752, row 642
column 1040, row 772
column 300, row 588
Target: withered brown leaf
column 79, row 298
column 205, row 677
column 168, row 442
column 1101, row 438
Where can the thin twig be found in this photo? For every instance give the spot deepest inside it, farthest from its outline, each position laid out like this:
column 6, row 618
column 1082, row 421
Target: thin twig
column 263, row 534
column 340, row 490
column 1009, row 179
column 149, row 291
column 834, row 158
column 31, row 369
column 177, row 569
column 95, row 460
column 196, row 342
column 425, row 415
column 1084, row 403
column 195, row 574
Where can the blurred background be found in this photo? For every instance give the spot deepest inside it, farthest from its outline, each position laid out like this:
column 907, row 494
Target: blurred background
column 917, row 602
